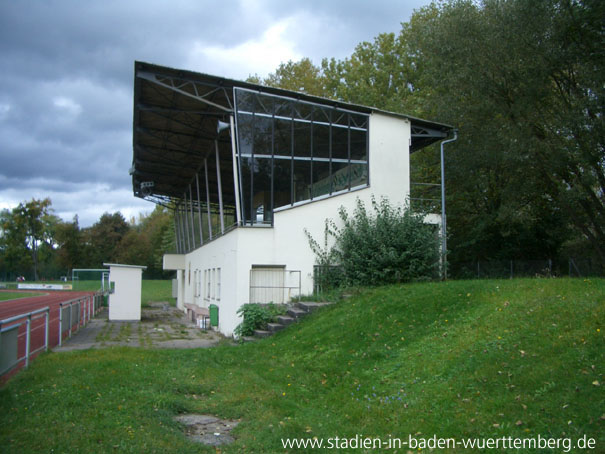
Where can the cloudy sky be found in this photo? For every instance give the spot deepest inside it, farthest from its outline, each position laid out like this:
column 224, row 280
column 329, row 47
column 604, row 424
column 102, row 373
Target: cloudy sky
column 66, row 78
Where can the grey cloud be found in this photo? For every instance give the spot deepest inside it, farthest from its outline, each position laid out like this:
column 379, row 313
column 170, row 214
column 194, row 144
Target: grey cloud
column 66, row 78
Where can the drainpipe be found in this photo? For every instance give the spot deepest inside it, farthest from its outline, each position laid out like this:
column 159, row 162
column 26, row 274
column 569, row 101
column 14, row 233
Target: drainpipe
column 443, row 221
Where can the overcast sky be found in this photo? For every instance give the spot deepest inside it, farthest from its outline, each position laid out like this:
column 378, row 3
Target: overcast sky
column 66, row 78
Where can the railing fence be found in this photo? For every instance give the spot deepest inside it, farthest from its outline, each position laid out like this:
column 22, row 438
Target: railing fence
column 9, row 337
column 21, row 336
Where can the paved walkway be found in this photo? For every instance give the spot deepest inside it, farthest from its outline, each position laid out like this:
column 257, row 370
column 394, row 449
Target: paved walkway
column 161, row 326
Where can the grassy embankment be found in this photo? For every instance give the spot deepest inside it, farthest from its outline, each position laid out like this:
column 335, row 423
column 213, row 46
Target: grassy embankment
column 495, row 358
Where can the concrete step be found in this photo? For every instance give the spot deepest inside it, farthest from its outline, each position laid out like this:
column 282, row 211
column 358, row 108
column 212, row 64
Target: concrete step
column 262, row 333
column 249, row 339
column 296, row 313
column 310, row 306
column 285, row 320
column 274, row 327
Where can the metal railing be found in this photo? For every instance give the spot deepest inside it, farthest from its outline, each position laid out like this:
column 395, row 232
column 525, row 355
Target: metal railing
column 21, row 335
column 9, row 338
column 71, row 313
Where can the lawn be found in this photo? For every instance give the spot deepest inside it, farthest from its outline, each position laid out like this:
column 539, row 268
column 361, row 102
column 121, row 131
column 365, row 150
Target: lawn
column 7, row 295
column 498, row 358
column 152, row 290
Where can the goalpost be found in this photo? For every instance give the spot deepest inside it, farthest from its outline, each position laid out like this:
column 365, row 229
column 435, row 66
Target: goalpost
column 100, row 275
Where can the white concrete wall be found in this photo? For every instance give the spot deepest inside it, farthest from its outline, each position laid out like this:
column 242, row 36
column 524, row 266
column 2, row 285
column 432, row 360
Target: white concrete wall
column 286, row 243
column 125, row 302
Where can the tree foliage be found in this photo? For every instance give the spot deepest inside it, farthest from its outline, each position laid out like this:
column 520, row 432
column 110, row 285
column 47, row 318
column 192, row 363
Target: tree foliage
column 523, row 80
column 37, row 244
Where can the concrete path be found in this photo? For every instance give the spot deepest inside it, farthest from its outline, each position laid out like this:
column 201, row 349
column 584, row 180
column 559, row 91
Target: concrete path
column 161, row 326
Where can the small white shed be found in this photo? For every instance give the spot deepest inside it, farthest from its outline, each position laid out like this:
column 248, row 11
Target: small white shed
column 125, row 298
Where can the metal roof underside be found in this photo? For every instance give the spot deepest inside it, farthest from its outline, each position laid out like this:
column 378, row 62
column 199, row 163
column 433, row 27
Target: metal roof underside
column 175, row 128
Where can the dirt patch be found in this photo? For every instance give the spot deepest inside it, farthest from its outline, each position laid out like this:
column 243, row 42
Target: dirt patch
column 207, row 429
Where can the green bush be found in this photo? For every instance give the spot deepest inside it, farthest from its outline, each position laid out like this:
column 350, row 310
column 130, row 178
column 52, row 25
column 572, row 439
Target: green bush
column 390, row 245
column 256, row 316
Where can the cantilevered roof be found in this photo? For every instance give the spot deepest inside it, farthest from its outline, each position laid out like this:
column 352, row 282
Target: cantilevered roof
column 176, row 113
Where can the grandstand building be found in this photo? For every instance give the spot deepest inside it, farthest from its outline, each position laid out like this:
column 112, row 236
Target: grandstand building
column 247, row 169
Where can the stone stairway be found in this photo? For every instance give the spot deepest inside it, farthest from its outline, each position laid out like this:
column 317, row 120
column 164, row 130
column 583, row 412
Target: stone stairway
column 294, row 313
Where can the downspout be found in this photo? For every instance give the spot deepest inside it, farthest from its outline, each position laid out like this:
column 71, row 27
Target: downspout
column 443, row 220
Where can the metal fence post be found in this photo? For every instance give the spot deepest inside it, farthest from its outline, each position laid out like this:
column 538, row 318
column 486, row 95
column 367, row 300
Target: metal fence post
column 46, row 329
column 60, row 323
column 27, row 338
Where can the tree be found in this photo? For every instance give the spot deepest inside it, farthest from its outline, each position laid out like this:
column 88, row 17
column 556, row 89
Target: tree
column 103, row 237
column 524, row 82
column 16, row 259
column 70, row 244
column 143, row 243
column 300, row 76
column 27, row 230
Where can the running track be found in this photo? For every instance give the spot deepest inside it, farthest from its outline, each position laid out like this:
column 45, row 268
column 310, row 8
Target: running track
column 52, row 299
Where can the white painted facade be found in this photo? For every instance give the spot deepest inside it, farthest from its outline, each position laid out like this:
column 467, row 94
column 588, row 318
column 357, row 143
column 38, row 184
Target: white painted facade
column 125, row 300
column 219, row 271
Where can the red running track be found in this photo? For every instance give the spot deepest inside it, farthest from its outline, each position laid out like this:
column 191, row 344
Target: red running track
column 53, row 300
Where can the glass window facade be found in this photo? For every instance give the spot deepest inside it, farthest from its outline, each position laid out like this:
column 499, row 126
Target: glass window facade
column 292, row 151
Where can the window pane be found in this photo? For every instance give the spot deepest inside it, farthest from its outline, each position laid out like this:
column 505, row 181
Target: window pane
column 282, row 107
column 246, row 185
column 263, row 104
column 281, row 182
column 283, row 137
column 321, row 114
column 302, row 139
column 321, row 141
column 262, row 135
column 340, row 176
column 340, row 143
column 245, row 132
column 359, row 174
column 245, row 100
column 303, row 111
column 302, row 180
column 358, row 145
column 340, row 118
column 358, row 120
column 261, row 191
column 321, row 178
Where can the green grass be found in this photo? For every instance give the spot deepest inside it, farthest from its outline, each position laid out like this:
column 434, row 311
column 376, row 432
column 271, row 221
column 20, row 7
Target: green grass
column 157, row 290
column 5, row 296
column 151, row 291
column 497, row 358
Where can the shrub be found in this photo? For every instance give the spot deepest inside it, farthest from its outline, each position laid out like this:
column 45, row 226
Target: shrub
column 256, row 316
column 389, row 246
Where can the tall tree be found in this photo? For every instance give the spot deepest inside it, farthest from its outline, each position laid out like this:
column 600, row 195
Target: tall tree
column 524, row 81
column 70, row 244
column 31, row 226
column 103, row 237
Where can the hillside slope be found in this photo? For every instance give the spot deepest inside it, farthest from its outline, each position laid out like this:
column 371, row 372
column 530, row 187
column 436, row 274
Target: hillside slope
column 507, row 358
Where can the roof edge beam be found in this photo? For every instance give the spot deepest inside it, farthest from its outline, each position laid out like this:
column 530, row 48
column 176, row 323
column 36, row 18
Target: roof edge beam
column 173, row 86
